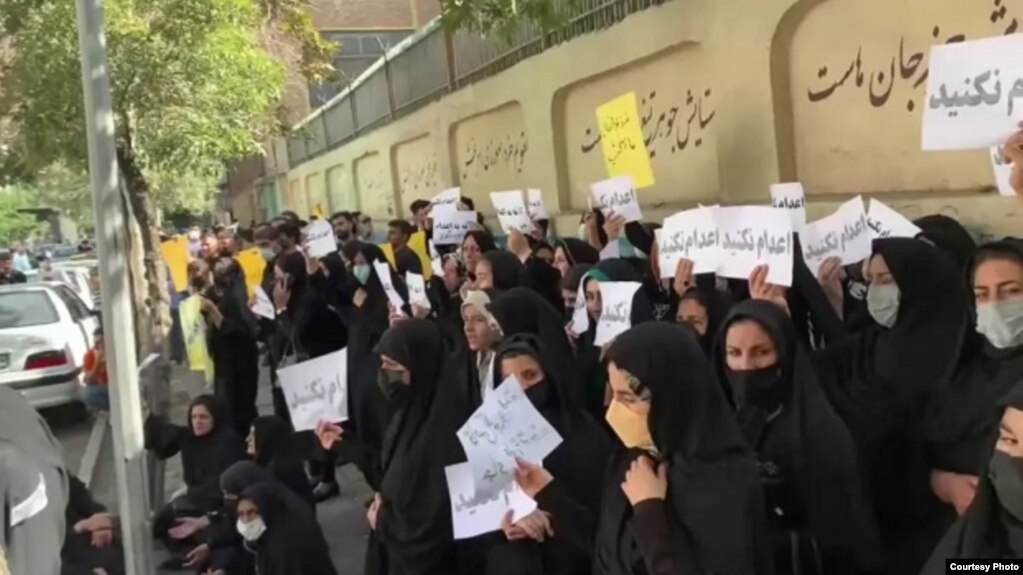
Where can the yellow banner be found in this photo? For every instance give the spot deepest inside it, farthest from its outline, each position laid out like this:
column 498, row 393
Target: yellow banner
column 621, row 136
column 253, row 265
column 193, row 328
column 319, row 212
column 175, row 255
column 417, row 243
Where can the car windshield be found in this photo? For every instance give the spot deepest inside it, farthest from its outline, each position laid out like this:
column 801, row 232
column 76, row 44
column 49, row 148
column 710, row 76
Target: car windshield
column 26, row 309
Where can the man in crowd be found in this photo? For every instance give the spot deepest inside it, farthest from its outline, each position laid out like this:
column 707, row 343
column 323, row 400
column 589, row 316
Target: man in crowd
column 398, row 234
column 9, row 275
column 420, row 215
column 344, row 227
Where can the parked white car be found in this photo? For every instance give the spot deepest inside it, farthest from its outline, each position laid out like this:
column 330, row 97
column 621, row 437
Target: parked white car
column 45, row 330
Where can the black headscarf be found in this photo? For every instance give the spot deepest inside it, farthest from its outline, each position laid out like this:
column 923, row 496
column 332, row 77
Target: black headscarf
column 242, row 475
column 293, row 543
column 414, row 521
column 506, row 268
column 818, row 445
column 294, row 265
column 577, row 251
column 714, row 502
column 717, row 303
column 949, row 235
column 483, row 239
column 523, row 311
column 574, row 277
column 277, row 450
column 987, row 531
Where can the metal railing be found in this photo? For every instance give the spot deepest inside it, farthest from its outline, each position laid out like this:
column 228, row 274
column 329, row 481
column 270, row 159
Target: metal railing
column 433, row 62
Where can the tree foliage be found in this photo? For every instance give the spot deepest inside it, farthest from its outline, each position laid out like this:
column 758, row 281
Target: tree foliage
column 16, row 226
column 504, row 17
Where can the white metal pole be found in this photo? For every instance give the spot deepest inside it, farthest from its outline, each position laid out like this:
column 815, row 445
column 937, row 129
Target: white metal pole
column 119, row 332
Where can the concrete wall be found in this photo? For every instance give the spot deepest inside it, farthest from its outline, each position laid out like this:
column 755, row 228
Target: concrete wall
column 734, row 96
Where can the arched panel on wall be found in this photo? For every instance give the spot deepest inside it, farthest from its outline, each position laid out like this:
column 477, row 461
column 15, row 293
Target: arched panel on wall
column 490, row 152
column 296, row 201
column 316, row 193
column 341, row 190
column 850, row 85
column 417, row 170
column 677, row 108
column 373, row 185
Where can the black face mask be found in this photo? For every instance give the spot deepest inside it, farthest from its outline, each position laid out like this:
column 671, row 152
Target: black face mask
column 758, row 388
column 392, row 384
column 539, row 394
column 1006, row 473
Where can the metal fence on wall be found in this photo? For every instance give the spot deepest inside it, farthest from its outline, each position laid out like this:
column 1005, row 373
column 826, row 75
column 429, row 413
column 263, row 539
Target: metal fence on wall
column 432, row 63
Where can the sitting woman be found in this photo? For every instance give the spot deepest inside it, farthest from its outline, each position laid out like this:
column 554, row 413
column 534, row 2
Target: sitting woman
column 208, row 446
column 271, row 444
column 282, row 532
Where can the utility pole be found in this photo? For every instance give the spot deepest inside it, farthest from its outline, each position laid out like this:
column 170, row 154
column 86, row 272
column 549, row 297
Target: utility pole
column 119, row 331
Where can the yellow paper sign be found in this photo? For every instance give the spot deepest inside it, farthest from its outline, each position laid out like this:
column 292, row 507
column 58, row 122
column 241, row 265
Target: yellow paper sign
column 319, row 212
column 621, row 136
column 175, row 255
column 389, row 254
column 193, row 328
column 253, row 265
column 417, row 243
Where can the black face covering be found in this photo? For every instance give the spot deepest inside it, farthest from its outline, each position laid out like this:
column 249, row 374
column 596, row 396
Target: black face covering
column 392, row 384
column 539, row 394
column 1006, row 473
column 758, row 388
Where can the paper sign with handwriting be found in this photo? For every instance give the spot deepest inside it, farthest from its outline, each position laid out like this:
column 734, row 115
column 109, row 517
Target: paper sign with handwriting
column 417, row 290
column 617, row 196
column 974, row 93
column 616, row 310
column 691, row 235
column 261, row 304
column 383, row 271
column 473, row 514
column 844, row 234
column 450, row 227
column 611, row 251
column 511, row 211
column 580, row 316
column 791, row 196
column 885, row 222
column 316, row 390
column 445, row 201
column 537, row 209
column 749, row 236
column 504, row 427
column 621, row 138
column 318, row 239
column 1003, row 172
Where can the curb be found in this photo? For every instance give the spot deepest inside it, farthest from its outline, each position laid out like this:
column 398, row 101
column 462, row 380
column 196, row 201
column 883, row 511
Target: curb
column 87, row 468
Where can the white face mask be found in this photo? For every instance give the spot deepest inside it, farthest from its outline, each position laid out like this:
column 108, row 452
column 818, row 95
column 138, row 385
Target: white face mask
column 883, row 303
column 252, row 530
column 1001, row 322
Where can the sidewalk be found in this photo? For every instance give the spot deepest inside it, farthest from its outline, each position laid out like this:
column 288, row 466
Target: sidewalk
column 342, row 518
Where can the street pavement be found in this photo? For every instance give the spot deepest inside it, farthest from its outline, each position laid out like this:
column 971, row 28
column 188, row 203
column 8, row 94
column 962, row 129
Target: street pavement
column 342, row 518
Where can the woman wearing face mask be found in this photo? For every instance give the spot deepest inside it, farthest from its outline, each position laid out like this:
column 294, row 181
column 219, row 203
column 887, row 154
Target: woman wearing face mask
column 685, row 496
column 232, row 342
column 993, row 526
column 569, row 252
column 282, row 532
column 819, row 518
column 962, row 421
column 208, row 446
column 568, row 487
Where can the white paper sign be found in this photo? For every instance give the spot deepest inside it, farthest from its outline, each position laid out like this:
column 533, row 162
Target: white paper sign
column 450, row 227
column 974, row 93
column 1003, row 172
column 617, row 196
column 537, row 210
column 316, row 390
column 383, row 271
column 437, row 265
column 446, row 201
column 580, row 316
column 511, row 211
column 844, row 234
column 473, row 514
column 611, row 251
column 615, row 310
column 318, row 239
column 885, row 222
column 417, row 290
column 262, row 306
column 506, row 426
column 755, row 235
column 692, row 235
column 791, row 196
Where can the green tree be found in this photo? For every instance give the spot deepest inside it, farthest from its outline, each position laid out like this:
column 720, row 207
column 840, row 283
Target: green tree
column 503, row 17
column 194, row 85
column 16, row 226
